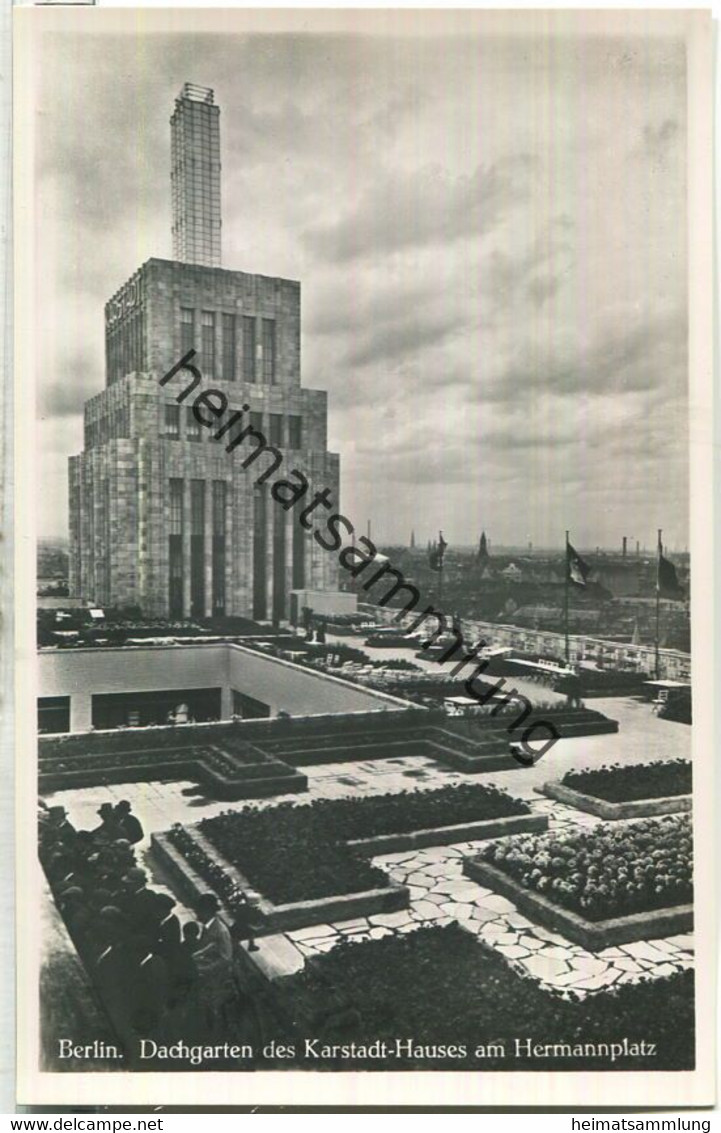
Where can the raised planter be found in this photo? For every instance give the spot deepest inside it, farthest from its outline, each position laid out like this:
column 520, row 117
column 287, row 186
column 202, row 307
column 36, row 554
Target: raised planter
column 252, row 781
column 495, row 757
column 448, row 835
column 641, row 808
column 592, row 935
column 276, row 918
column 351, row 752
column 222, row 787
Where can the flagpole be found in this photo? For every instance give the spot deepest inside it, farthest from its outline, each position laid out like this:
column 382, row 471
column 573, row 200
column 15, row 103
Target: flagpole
column 658, row 604
column 565, row 603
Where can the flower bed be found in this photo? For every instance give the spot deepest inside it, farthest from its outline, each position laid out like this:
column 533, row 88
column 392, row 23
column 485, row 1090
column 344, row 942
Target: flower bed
column 619, row 784
column 607, row 872
column 298, row 853
column 619, row 792
column 283, row 854
column 439, row 987
column 414, row 810
column 193, row 863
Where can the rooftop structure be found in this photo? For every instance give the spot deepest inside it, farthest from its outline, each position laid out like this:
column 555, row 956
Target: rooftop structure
column 195, row 177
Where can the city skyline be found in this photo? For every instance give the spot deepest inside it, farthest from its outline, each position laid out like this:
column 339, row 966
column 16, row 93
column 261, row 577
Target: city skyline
column 522, row 339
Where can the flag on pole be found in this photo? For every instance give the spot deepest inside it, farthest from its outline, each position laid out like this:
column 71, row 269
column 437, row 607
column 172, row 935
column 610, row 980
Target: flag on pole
column 577, row 571
column 435, row 558
column 667, row 584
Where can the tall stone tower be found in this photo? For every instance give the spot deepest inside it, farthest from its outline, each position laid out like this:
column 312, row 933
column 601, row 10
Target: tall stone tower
column 161, row 516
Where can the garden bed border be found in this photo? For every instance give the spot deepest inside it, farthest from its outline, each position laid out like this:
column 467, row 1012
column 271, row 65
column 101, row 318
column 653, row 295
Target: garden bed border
column 276, row 918
column 602, row 808
column 193, row 767
column 591, row 935
column 447, row 835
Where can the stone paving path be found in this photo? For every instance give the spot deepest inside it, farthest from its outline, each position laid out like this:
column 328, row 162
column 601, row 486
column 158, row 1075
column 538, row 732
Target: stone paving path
column 440, row 894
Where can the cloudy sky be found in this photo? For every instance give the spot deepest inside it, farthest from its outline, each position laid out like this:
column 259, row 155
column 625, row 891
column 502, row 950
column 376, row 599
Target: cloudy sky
column 490, row 235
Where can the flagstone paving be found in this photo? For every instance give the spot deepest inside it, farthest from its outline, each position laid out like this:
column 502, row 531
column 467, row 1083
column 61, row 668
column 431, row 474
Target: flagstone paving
column 533, row 950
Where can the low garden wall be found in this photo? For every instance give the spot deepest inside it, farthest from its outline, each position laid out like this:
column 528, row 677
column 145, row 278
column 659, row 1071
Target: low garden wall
column 615, row 811
column 448, row 835
column 306, row 862
column 592, row 935
column 237, row 780
column 282, row 917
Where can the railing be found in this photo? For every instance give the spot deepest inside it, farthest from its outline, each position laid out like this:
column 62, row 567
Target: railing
column 673, row 663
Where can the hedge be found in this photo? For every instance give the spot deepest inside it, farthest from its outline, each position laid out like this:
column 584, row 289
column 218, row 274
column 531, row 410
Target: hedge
column 440, row 986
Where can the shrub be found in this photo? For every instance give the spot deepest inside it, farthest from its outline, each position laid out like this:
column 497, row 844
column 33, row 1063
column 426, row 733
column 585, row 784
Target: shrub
column 610, row 871
column 439, row 986
column 629, row 783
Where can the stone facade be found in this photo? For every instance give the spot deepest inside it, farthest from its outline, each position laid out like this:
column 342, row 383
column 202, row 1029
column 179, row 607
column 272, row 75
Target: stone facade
column 120, row 524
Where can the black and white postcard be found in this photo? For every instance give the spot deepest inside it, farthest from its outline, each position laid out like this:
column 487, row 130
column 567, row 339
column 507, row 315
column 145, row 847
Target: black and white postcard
column 363, row 526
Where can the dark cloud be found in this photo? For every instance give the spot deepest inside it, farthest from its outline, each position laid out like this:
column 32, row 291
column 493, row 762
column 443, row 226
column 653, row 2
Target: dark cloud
column 645, row 356
column 404, row 336
column 424, row 207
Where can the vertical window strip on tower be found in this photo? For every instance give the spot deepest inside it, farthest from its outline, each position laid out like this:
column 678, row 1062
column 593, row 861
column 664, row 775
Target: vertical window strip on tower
column 193, row 428
column 172, row 421
column 175, row 549
column 295, row 432
column 197, row 548
column 228, row 374
column 276, row 429
column 207, row 358
column 279, row 589
column 187, row 330
column 269, row 350
column 299, row 541
column 260, row 601
column 248, row 348
column 218, row 569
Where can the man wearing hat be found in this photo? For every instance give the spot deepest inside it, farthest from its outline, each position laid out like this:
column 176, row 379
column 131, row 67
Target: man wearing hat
column 129, row 825
column 56, row 830
column 108, row 830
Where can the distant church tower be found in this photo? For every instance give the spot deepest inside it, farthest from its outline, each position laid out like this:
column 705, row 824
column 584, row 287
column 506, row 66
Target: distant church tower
column 483, row 548
column 413, row 540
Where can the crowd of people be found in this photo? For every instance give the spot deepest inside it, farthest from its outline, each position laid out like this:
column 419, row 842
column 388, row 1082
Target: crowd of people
column 155, row 975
